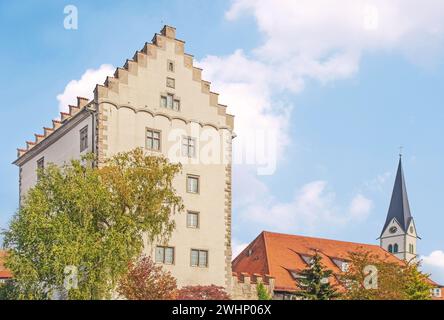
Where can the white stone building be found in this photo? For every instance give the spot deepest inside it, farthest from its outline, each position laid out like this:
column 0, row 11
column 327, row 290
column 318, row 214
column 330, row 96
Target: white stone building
column 158, row 101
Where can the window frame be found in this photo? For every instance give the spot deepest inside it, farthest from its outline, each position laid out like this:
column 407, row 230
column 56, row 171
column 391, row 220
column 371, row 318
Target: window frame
column 395, row 248
column 147, row 129
column 197, row 214
column 166, row 97
column 188, row 146
column 171, row 83
column 41, row 163
column 171, row 62
column 164, row 249
column 198, row 265
column 193, row 176
column 84, row 144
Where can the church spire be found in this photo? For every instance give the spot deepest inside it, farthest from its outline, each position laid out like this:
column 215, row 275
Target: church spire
column 399, row 205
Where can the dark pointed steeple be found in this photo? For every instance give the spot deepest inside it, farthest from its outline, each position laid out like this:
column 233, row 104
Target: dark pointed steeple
column 399, row 204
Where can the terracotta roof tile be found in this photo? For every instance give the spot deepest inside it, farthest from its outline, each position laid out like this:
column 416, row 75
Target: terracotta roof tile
column 278, row 254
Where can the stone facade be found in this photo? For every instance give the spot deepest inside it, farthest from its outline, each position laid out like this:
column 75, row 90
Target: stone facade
column 128, row 105
column 244, row 285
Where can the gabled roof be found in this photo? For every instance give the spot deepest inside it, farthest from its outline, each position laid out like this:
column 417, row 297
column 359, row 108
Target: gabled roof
column 278, row 254
column 399, row 205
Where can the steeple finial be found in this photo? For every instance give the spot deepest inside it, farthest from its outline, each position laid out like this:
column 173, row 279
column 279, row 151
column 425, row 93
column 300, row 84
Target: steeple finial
column 400, row 151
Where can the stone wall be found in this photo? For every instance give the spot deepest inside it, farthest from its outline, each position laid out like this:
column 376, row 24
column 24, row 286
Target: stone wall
column 244, row 285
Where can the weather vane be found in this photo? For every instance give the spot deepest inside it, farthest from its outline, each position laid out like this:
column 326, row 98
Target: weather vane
column 400, row 151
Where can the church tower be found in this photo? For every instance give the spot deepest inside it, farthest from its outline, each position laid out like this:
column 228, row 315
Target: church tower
column 399, row 235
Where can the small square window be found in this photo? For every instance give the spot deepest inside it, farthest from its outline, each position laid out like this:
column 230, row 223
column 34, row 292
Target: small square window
column 164, row 255
column 193, row 184
column 192, row 219
column 170, row 83
column 84, row 139
column 199, row 258
column 153, row 139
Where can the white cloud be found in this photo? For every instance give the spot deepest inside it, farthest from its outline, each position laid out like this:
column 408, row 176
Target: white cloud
column 313, row 207
column 84, row 87
column 360, row 207
column 434, row 264
column 312, row 39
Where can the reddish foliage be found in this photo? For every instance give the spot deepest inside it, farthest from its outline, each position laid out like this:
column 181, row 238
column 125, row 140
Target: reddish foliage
column 202, row 293
column 147, row 281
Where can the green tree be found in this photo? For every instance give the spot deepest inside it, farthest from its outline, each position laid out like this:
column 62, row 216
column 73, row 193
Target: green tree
column 92, row 219
column 417, row 284
column 262, row 292
column 314, row 281
column 396, row 280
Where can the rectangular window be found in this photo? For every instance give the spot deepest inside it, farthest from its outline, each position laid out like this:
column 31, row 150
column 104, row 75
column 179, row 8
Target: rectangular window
column 193, row 184
column 199, row 258
column 192, row 219
column 169, row 102
column 188, row 147
column 164, row 255
column 170, row 66
column 176, row 105
column 84, row 139
column 41, row 164
column 163, row 101
column 153, row 139
column 170, row 99
column 170, row 83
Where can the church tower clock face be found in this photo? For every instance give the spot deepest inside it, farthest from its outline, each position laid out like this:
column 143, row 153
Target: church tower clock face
column 393, row 230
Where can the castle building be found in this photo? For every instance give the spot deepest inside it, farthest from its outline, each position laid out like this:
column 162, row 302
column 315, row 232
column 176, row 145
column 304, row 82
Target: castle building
column 399, row 235
column 157, row 101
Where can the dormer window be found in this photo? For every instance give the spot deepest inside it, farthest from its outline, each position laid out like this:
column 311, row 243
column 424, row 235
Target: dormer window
column 307, row 259
column 296, row 275
column 341, row 264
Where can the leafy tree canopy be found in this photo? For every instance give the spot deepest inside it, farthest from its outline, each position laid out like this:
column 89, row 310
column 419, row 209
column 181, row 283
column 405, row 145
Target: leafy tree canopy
column 91, row 218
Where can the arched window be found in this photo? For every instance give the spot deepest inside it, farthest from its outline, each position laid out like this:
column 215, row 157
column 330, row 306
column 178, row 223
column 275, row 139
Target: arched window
column 390, row 248
column 395, row 248
column 411, row 248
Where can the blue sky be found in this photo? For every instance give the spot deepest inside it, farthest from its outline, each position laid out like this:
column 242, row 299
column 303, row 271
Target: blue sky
column 342, row 91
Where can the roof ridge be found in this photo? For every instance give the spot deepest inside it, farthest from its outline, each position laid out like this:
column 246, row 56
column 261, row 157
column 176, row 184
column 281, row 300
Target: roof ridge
column 318, row 238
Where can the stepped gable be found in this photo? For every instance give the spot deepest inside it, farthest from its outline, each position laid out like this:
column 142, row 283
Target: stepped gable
column 140, row 60
column 149, row 51
column 56, row 124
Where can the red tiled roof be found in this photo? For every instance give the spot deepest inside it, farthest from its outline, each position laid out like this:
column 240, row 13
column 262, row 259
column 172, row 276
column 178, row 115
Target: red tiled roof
column 4, row 273
column 277, row 254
